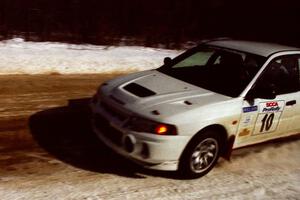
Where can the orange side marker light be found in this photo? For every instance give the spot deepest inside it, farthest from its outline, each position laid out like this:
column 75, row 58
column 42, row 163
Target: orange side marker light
column 161, row 129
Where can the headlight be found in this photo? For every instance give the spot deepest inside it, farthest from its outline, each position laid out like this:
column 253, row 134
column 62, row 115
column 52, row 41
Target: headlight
column 149, row 126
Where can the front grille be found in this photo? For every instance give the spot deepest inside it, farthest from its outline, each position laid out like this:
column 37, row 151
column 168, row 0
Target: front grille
column 116, row 100
column 113, row 112
column 107, row 130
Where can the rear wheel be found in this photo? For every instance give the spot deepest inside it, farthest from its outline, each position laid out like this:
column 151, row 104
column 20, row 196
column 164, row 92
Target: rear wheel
column 201, row 155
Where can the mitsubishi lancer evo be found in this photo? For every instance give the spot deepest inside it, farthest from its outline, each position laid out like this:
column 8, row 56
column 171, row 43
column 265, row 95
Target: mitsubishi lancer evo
column 211, row 99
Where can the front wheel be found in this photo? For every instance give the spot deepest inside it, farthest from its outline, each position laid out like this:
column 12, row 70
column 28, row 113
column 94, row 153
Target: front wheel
column 201, row 155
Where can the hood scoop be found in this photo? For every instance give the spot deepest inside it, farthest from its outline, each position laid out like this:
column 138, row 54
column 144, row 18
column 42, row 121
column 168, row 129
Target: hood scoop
column 138, row 90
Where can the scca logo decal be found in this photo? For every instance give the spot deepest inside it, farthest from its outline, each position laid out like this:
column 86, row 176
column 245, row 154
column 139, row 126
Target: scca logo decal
column 271, row 104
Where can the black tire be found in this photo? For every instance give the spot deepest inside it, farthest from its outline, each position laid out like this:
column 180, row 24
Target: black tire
column 200, row 155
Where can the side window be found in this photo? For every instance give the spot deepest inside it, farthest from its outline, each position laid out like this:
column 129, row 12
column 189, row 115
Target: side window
column 226, row 57
column 283, row 74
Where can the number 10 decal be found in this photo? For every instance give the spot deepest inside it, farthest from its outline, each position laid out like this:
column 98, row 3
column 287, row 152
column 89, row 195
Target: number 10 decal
column 267, row 122
column 269, row 114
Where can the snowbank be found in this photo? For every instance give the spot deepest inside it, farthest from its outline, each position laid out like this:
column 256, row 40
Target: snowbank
column 20, row 57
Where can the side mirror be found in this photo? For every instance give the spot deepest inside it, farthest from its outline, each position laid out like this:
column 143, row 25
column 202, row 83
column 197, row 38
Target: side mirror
column 264, row 92
column 167, row 60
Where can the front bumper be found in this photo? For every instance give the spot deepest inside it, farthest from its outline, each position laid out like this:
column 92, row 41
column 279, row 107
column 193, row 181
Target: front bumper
column 150, row 150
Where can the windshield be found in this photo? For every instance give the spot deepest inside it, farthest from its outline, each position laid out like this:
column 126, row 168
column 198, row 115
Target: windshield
column 223, row 71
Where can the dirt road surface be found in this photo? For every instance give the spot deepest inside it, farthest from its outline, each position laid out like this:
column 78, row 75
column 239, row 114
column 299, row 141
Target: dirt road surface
column 47, row 151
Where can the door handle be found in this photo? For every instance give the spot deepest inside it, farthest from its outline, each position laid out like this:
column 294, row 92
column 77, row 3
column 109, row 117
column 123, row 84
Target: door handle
column 290, row 103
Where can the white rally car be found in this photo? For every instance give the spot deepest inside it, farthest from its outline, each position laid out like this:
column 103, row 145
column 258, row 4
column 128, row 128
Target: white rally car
column 213, row 98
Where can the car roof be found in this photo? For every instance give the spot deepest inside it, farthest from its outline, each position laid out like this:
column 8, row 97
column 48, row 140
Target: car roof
column 259, row 48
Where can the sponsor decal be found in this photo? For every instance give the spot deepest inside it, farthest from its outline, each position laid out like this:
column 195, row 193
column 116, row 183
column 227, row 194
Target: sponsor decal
column 271, row 106
column 247, row 120
column 244, row 132
column 250, row 109
column 271, row 109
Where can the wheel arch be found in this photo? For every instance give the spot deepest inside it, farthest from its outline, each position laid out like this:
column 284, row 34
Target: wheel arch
column 227, row 141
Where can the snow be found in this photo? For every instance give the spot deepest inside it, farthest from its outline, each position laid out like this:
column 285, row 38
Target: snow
column 20, row 57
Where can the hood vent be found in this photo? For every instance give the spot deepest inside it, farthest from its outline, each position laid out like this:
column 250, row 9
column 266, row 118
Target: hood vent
column 138, row 90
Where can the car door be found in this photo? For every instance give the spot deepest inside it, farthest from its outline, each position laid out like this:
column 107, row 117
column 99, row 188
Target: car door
column 266, row 116
column 295, row 122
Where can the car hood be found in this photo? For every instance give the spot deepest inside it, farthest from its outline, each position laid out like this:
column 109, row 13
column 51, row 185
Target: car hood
column 147, row 91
